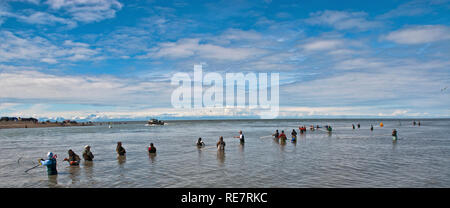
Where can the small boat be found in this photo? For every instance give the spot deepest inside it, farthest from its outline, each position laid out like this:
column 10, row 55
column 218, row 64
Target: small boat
column 153, row 122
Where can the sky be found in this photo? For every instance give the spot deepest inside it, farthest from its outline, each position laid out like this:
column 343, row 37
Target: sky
column 114, row 59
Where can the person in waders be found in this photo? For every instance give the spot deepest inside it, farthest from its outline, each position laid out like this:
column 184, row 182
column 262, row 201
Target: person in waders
column 73, row 158
column 50, row 163
column 394, row 135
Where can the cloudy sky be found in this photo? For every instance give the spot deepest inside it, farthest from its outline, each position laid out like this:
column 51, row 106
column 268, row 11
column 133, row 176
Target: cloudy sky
column 113, row 59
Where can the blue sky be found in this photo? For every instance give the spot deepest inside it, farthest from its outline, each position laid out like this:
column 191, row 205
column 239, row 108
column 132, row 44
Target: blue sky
column 113, row 59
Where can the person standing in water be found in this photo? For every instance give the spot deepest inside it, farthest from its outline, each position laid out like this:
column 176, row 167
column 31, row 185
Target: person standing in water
column 359, row 125
column 371, row 127
column 73, row 159
column 394, row 135
column 220, row 144
column 200, row 143
column 329, row 128
column 353, row 125
column 282, row 135
column 151, row 148
column 50, row 163
column 277, row 134
column 87, row 154
column 240, row 137
column 120, row 150
column 294, row 135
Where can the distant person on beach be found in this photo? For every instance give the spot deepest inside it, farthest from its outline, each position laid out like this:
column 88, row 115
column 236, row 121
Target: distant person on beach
column 50, row 163
column 359, row 125
column 277, row 134
column 151, row 148
column 414, row 123
column 220, row 144
column 120, row 150
column 371, row 127
column 418, row 123
column 200, row 143
column 73, row 158
column 87, row 154
column 240, row 137
column 353, row 125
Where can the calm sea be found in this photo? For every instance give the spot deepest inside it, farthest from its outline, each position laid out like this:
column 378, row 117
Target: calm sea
column 346, row 158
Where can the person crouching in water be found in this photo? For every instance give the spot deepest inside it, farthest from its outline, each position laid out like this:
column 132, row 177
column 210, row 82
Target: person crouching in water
column 73, row 159
column 151, row 149
column 120, row 150
column 200, row 143
column 220, row 144
column 87, row 154
column 50, row 163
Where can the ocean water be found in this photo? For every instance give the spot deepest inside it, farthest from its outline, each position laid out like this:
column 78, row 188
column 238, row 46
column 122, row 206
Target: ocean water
column 346, row 158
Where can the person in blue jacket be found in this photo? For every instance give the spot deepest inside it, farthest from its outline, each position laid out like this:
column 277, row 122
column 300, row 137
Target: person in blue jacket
column 50, row 163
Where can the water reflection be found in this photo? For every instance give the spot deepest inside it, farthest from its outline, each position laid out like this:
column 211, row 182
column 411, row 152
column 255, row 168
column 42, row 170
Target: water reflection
column 88, row 170
column 221, row 157
column 276, row 140
column 52, row 181
column 74, row 174
column 152, row 157
column 121, row 160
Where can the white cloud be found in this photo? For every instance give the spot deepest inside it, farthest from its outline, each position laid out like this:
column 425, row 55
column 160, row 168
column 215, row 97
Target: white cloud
column 342, row 20
column 189, row 47
column 14, row 48
column 34, row 86
column 322, row 45
column 87, row 10
column 43, row 18
column 419, row 34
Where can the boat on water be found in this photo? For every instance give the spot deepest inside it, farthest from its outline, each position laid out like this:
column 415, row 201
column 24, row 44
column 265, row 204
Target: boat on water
column 153, row 122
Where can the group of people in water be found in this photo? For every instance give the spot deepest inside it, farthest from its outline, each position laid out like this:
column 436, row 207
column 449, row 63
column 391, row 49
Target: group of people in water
column 302, row 129
column 74, row 159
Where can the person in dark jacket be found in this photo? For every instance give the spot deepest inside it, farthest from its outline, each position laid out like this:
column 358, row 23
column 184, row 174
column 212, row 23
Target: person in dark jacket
column 200, row 143
column 73, row 158
column 152, row 148
column 120, row 150
column 87, row 154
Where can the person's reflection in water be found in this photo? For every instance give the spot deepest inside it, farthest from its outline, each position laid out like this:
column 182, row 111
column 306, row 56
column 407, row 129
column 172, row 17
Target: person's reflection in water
column 52, row 181
column 121, row 159
column 221, row 157
column 394, row 145
column 74, row 172
column 152, row 157
column 88, row 170
column 282, row 145
column 241, row 150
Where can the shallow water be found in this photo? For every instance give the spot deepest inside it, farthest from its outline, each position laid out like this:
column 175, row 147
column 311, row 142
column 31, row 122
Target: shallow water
column 346, row 158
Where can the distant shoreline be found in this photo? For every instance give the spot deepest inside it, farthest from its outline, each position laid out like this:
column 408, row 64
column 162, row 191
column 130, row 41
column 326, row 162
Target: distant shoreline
column 28, row 124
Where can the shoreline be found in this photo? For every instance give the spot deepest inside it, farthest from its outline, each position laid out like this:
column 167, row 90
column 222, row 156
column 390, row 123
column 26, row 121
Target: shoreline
column 24, row 125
